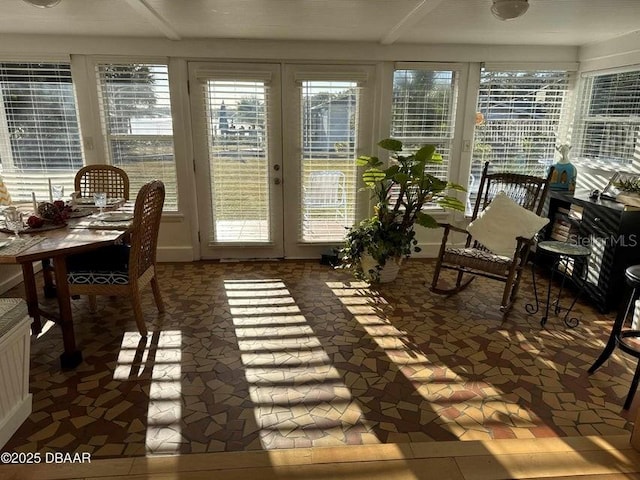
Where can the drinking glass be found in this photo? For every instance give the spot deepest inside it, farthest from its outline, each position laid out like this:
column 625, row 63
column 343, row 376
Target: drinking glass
column 100, row 200
column 57, row 192
column 14, row 221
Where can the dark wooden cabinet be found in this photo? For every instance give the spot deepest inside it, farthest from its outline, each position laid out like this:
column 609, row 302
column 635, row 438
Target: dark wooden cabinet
column 611, row 231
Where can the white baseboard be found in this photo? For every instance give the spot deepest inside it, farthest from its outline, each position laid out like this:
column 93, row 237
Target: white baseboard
column 175, row 254
column 16, row 417
column 7, row 282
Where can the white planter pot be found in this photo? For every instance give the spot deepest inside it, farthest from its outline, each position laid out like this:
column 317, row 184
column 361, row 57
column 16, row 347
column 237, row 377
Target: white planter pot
column 388, row 273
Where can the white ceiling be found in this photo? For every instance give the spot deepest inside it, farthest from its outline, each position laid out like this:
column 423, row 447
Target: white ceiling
column 548, row 22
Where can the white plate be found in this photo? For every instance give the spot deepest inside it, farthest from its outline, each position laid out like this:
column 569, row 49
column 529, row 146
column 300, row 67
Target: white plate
column 4, row 243
column 89, row 201
column 115, row 217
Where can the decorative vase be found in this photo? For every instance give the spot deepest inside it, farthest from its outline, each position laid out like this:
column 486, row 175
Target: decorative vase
column 565, row 173
column 388, row 273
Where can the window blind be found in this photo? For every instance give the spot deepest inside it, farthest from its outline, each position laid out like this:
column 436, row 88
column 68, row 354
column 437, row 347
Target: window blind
column 136, row 115
column 237, row 112
column 329, row 117
column 608, row 118
column 518, row 120
column 423, row 111
column 39, row 134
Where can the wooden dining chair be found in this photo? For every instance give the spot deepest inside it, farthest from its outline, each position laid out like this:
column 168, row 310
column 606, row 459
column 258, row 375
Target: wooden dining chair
column 91, row 179
column 124, row 270
column 112, row 180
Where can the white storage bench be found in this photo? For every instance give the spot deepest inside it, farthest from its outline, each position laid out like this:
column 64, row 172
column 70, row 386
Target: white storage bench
column 15, row 345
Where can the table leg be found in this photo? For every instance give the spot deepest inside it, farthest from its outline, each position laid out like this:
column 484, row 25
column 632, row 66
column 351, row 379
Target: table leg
column 530, row 308
column 543, row 322
column 71, row 357
column 31, row 294
column 47, row 274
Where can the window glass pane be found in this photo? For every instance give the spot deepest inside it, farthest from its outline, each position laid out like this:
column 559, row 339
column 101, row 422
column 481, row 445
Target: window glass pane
column 39, row 134
column 608, row 120
column 424, row 111
column 237, row 128
column 329, row 117
column 136, row 114
column 519, row 114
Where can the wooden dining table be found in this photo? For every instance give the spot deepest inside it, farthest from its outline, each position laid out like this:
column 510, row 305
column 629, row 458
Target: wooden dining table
column 57, row 245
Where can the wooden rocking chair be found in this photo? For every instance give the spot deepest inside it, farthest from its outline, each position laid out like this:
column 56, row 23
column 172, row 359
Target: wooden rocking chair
column 474, row 259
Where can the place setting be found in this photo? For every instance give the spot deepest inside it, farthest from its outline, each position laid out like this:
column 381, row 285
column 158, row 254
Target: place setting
column 113, row 219
column 14, row 224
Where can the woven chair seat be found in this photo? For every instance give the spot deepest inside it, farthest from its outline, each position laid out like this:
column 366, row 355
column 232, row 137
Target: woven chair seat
column 477, row 259
column 98, row 278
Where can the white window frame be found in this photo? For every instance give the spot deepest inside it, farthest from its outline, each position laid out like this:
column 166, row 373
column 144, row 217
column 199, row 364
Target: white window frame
column 40, row 187
column 582, row 118
column 100, row 141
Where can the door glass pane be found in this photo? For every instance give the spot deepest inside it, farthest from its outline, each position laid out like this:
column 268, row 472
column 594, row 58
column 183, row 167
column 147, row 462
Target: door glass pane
column 329, row 116
column 237, row 134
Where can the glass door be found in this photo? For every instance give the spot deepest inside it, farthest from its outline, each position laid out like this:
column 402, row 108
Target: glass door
column 328, row 113
column 237, row 146
column 276, row 174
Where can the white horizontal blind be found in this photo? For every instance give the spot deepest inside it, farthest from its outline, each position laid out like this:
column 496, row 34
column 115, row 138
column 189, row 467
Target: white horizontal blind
column 237, row 127
column 608, row 118
column 39, row 134
column 328, row 144
column 136, row 114
column 518, row 120
column 424, row 110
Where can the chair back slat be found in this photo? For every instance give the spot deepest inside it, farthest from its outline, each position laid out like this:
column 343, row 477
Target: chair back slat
column 102, row 178
column 146, row 224
column 526, row 190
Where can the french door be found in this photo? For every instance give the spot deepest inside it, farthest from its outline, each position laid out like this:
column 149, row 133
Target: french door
column 275, row 148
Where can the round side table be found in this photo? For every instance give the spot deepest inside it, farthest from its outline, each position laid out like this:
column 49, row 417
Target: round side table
column 565, row 258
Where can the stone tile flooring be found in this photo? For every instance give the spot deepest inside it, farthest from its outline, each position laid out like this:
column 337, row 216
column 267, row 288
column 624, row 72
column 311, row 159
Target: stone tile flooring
column 266, row 355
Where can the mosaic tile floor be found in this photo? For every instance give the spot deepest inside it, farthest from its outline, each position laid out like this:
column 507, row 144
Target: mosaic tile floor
column 266, row 355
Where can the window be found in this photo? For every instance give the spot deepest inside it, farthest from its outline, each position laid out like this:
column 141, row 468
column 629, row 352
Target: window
column 136, row 115
column 39, row 135
column 608, row 118
column 329, row 115
column 519, row 114
column 423, row 111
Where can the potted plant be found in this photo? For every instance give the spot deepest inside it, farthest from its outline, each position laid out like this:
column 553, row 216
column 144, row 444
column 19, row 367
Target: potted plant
column 376, row 246
column 629, row 188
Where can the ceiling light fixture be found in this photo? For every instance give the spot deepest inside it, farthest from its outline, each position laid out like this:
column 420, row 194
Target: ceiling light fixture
column 43, row 3
column 509, row 9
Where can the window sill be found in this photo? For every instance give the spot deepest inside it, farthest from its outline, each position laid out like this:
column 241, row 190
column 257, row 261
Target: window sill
column 172, row 217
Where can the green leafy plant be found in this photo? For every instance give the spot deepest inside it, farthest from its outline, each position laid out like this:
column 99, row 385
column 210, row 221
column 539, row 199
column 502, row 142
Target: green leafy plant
column 630, row 185
column 400, row 191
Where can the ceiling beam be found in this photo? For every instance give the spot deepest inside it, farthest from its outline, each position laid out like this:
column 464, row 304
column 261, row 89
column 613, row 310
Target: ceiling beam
column 151, row 15
column 409, row 20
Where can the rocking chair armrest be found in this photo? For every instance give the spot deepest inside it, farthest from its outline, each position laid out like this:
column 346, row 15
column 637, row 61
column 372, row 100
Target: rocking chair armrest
column 522, row 247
